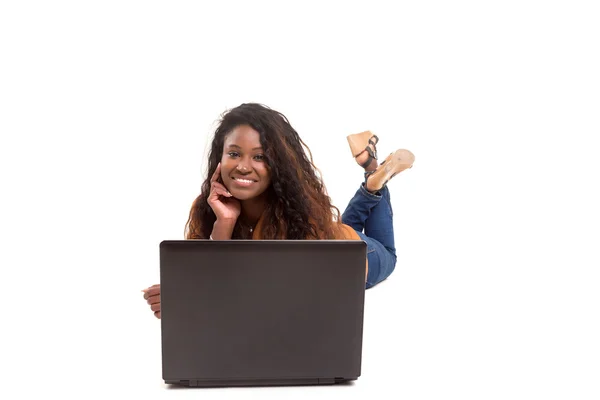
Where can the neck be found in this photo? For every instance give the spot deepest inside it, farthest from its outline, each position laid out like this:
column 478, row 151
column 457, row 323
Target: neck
column 252, row 209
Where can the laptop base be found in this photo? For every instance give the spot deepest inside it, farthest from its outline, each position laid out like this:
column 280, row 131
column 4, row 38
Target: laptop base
column 259, row 382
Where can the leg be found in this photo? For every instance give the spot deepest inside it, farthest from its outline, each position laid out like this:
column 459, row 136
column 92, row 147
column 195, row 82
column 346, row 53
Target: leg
column 369, row 212
column 359, row 209
column 373, row 214
column 382, row 262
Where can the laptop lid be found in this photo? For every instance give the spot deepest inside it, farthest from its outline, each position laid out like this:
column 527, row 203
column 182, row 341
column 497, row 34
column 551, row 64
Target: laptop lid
column 261, row 312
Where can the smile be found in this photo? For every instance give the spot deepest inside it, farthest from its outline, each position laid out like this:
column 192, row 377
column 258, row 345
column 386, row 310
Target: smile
column 243, row 182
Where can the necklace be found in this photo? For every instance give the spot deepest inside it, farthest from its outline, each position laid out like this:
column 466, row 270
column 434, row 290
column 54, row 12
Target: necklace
column 245, row 225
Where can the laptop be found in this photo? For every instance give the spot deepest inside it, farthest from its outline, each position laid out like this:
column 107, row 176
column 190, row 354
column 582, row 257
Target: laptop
column 261, row 312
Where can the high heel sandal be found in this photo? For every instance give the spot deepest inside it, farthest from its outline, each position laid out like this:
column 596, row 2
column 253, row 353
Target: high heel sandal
column 360, row 142
column 394, row 164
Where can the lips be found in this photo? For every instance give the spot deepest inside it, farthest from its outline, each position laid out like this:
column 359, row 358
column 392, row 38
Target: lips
column 244, row 182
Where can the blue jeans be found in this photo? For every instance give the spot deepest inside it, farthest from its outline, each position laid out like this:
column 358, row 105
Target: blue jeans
column 372, row 213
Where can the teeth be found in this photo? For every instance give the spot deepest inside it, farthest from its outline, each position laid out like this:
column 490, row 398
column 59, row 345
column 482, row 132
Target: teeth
column 243, row 180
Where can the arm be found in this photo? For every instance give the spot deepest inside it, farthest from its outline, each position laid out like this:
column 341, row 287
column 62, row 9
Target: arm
column 222, row 229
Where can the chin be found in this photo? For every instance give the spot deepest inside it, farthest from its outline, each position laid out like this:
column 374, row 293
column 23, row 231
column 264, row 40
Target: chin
column 244, row 195
column 240, row 195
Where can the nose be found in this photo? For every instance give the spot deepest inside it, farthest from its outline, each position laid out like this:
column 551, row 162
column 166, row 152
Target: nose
column 243, row 167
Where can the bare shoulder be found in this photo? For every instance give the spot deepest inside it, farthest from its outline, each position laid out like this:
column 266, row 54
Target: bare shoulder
column 348, row 233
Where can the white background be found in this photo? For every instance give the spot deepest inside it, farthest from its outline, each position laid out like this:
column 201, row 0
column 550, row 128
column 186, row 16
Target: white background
column 107, row 109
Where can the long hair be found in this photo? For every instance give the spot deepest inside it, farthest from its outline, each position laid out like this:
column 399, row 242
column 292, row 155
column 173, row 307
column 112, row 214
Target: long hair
column 298, row 206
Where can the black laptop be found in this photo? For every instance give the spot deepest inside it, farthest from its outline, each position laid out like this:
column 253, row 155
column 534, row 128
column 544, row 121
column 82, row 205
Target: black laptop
column 258, row 313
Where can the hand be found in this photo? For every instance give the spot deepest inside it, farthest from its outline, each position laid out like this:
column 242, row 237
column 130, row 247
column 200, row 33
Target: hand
column 224, row 205
column 152, row 296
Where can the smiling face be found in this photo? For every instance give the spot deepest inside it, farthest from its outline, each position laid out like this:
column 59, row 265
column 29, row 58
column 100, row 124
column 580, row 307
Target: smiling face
column 243, row 168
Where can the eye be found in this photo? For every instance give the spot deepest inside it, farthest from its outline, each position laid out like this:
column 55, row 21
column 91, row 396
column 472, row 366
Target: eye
column 259, row 157
column 233, row 154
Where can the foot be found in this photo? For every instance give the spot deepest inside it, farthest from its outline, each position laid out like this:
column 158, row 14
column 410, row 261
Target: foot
column 394, row 164
column 363, row 158
column 363, row 149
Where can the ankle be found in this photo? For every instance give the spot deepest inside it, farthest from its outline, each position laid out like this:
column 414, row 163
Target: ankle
column 372, row 191
column 363, row 157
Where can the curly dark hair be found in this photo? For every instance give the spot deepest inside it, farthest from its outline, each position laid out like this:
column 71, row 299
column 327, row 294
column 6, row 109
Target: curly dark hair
column 298, row 206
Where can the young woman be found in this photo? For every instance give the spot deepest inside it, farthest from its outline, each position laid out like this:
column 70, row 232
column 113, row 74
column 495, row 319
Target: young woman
column 262, row 185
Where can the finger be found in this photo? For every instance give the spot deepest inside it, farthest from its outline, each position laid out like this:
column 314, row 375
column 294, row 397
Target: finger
column 153, row 299
column 213, row 196
column 157, row 314
column 216, row 174
column 151, row 287
column 218, row 185
column 216, row 194
column 155, row 307
column 221, row 187
column 152, row 292
column 222, row 192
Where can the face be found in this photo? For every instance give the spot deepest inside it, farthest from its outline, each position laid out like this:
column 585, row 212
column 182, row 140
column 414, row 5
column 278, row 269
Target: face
column 243, row 168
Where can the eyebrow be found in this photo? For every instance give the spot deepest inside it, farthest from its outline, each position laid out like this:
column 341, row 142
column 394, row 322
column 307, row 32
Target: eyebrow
column 238, row 147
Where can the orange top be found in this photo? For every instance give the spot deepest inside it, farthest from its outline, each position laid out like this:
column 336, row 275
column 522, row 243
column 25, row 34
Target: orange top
column 348, row 233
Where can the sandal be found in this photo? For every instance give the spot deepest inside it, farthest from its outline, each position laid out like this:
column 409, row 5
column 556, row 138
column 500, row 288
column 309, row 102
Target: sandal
column 360, row 142
column 394, row 164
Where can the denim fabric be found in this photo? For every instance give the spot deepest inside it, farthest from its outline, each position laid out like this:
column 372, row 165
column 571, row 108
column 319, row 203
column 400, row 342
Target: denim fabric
column 371, row 216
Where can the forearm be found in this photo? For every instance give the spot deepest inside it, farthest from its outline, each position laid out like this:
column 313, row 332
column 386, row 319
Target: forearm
column 222, row 230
